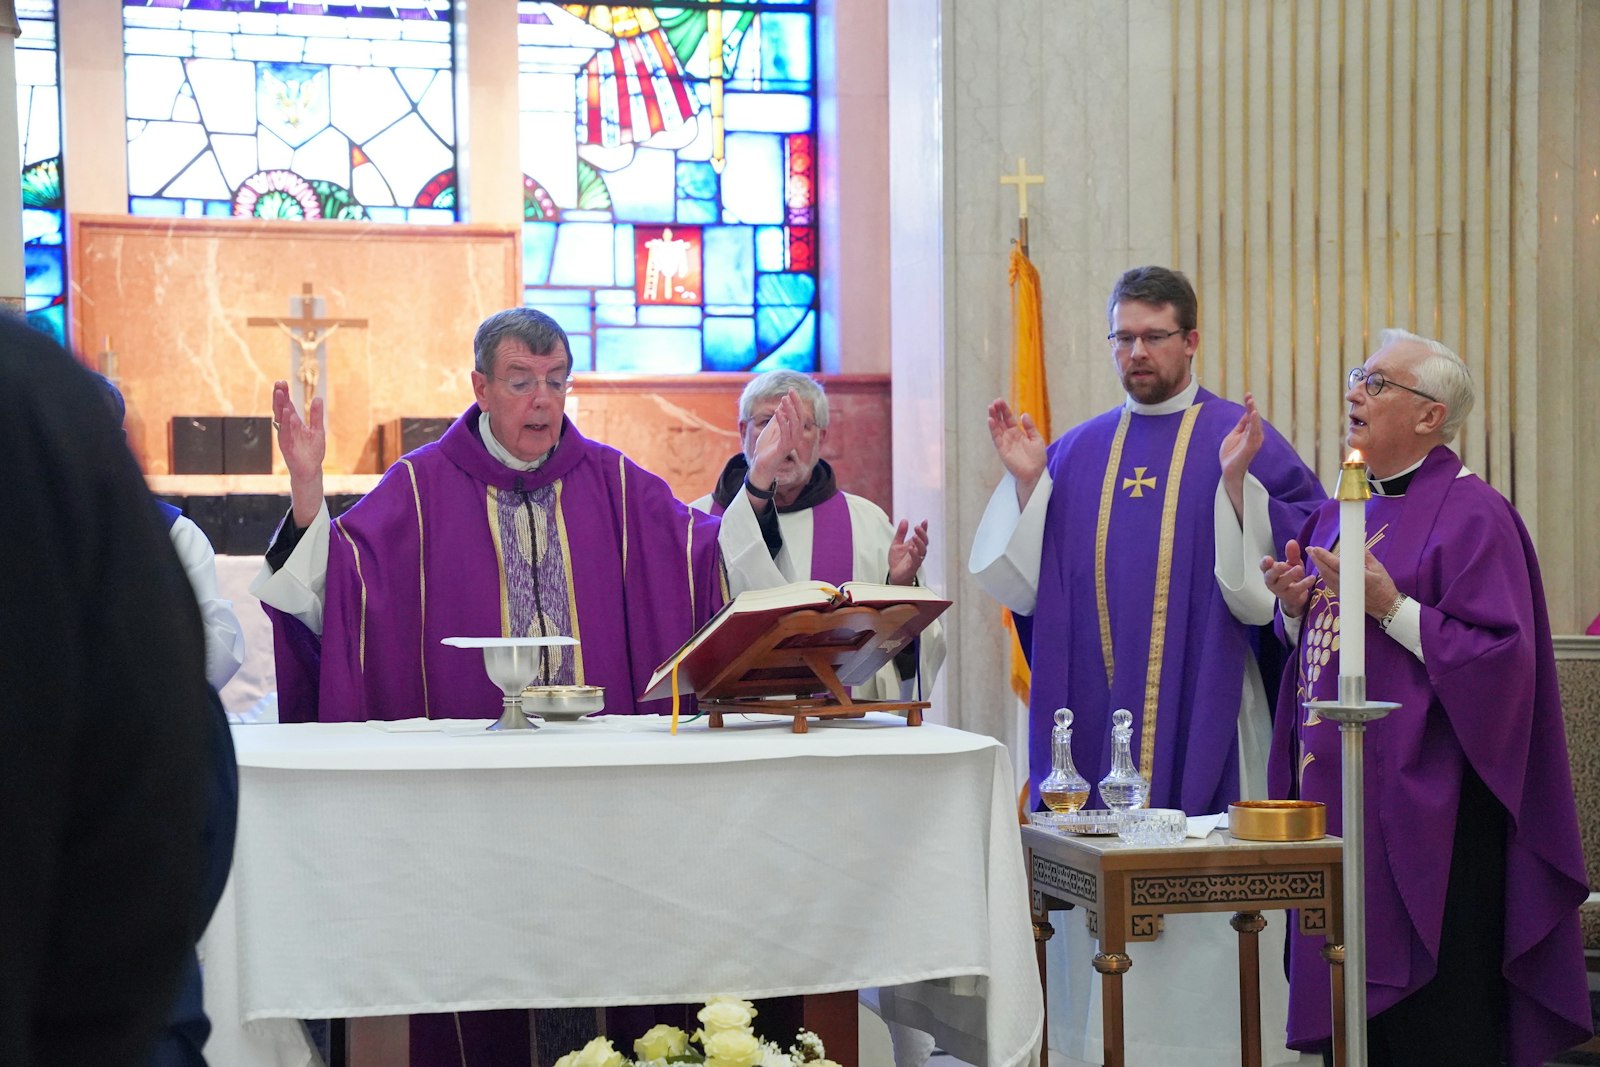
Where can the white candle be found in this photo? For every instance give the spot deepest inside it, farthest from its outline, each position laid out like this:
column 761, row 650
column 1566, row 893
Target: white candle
column 1353, row 495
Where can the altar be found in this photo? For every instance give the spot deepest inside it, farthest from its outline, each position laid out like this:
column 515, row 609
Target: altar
column 384, row 871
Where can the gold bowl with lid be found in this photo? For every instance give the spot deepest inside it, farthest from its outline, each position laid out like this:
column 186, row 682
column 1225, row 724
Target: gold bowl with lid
column 1278, row 820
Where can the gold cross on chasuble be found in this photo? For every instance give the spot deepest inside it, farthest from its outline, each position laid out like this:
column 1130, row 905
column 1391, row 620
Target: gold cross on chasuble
column 1139, row 483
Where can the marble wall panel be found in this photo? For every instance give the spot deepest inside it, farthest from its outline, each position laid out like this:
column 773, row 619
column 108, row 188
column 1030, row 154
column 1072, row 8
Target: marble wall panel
column 171, row 298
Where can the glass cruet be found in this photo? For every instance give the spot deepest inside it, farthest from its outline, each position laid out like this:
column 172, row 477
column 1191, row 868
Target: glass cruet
column 1065, row 790
column 1124, row 788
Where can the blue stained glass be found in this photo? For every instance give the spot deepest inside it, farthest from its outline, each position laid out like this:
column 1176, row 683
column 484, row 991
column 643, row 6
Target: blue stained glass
column 643, row 190
column 799, row 352
column 41, row 227
column 730, row 344
column 728, row 266
column 42, row 270
column 796, row 290
column 615, row 315
column 150, row 205
column 786, row 47
column 538, row 246
column 730, row 309
column 51, row 321
column 435, row 216
column 386, row 213
column 615, row 296
column 753, row 180
column 770, row 248
column 563, row 296
column 584, row 255
column 582, row 352
column 219, row 209
column 697, row 212
column 697, row 181
column 775, row 324
column 570, row 318
column 625, row 265
column 658, row 350
column 666, row 315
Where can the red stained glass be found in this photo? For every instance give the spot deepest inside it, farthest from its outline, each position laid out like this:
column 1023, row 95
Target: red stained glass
column 800, row 181
column 801, row 250
column 667, row 264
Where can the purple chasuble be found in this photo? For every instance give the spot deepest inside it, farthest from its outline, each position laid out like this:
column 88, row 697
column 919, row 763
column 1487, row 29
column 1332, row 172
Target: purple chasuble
column 444, row 547
column 832, row 539
column 1485, row 697
column 1197, row 680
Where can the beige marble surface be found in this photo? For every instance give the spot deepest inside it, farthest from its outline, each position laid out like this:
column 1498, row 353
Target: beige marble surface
column 172, row 299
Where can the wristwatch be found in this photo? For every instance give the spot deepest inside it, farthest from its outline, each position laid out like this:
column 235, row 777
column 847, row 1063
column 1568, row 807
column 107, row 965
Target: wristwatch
column 1394, row 609
column 761, row 494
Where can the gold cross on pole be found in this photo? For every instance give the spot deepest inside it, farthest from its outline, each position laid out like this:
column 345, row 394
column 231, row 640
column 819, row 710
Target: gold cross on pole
column 1022, row 179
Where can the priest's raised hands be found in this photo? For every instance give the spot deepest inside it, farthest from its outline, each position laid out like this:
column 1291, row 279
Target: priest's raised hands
column 304, row 444
column 907, row 551
column 1381, row 590
column 1238, row 449
column 1020, row 446
column 777, row 453
column 1287, row 580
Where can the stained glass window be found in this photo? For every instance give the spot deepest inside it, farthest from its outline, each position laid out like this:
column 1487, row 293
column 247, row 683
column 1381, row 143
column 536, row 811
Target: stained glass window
column 669, row 176
column 286, row 109
column 39, row 125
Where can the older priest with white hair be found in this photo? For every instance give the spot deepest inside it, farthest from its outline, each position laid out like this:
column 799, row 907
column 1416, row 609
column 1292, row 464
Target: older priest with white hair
column 785, row 519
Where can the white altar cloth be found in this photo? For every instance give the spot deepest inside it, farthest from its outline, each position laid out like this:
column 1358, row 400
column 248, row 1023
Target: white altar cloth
column 607, row 862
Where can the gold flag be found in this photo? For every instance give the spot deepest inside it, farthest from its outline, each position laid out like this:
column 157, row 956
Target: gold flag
column 1029, row 393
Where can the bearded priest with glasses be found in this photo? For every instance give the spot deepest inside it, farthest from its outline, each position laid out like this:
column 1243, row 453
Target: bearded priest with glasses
column 1104, row 544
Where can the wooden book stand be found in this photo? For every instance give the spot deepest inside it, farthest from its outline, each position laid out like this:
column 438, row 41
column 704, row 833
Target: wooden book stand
column 794, row 668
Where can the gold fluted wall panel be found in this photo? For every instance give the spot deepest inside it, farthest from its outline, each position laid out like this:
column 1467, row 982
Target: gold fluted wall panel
column 1344, row 165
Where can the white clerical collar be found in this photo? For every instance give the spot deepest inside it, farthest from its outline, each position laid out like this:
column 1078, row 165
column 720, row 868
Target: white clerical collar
column 1167, row 406
column 499, row 451
column 1396, row 483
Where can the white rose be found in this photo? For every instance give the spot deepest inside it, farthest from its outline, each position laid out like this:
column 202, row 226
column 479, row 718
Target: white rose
column 773, row 1056
column 726, row 1013
column 661, row 1041
column 732, row 1048
column 568, row 1060
column 598, row 1053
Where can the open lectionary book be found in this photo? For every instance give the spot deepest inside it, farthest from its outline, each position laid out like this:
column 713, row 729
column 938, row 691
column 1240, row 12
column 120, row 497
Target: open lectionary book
column 748, row 616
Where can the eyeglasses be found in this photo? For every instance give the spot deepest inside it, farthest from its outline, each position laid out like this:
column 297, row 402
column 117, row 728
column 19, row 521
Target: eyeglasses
column 524, row 386
column 1376, row 381
column 1124, row 342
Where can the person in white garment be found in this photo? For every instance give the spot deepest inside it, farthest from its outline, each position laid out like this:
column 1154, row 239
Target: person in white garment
column 1089, row 542
column 224, row 635
column 785, row 519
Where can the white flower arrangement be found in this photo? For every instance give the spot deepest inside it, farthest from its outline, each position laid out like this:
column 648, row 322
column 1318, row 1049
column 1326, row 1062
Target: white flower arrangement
column 725, row 1039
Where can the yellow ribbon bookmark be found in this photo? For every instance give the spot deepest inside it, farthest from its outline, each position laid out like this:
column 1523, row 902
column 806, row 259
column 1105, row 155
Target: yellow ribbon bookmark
column 675, row 699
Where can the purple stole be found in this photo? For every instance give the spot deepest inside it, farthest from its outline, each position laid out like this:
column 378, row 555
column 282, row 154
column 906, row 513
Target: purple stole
column 1486, row 696
column 832, row 539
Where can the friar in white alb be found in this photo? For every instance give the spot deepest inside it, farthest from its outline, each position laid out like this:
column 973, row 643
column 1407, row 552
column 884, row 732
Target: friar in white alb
column 789, row 521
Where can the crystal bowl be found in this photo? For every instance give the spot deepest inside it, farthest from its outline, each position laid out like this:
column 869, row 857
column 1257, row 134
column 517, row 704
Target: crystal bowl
column 1090, row 822
column 1154, row 826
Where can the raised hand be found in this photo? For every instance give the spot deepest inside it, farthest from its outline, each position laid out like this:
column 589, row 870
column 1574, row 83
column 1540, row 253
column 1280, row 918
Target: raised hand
column 906, row 553
column 304, row 445
column 779, row 439
column 1287, row 580
column 1020, row 446
column 1238, row 449
column 1381, row 590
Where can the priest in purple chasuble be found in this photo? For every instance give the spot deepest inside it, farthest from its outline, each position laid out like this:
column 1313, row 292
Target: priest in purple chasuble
column 1108, row 541
column 788, row 520
column 1474, row 872
column 513, row 524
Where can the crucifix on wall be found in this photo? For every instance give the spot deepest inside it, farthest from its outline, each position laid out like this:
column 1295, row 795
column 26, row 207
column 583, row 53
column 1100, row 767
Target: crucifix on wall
column 308, row 351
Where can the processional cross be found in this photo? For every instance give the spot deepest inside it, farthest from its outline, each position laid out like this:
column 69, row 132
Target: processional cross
column 1022, row 179
column 308, row 357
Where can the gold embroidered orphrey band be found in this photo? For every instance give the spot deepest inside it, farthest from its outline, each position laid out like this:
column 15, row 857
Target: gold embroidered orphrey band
column 1158, row 621
column 1158, row 618
column 1101, row 533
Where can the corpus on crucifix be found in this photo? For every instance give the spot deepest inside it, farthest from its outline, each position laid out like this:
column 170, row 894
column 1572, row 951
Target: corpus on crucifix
column 308, row 353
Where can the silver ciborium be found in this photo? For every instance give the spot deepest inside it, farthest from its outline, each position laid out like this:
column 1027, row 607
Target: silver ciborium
column 512, row 664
